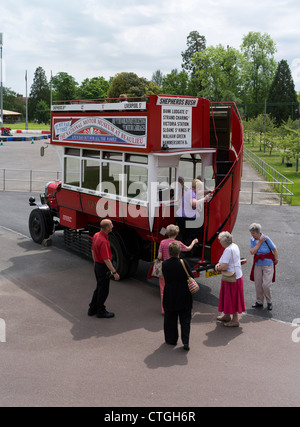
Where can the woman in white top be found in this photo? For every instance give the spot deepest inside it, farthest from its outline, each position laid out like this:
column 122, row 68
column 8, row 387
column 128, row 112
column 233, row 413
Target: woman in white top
column 231, row 301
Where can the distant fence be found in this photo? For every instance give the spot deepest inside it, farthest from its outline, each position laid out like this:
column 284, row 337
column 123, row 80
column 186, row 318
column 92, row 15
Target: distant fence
column 282, row 185
column 26, row 179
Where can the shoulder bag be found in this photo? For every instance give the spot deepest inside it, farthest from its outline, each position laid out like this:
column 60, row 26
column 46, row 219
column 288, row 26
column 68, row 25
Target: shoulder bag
column 229, row 276
column 192, row 284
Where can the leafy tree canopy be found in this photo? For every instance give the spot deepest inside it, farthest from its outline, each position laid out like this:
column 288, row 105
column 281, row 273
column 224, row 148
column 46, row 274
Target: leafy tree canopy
column 64, row 86
column 195, row 43
column 128, row 83
column 259, row 66
column 282, row 90
column 219, row 70
column 94, row 88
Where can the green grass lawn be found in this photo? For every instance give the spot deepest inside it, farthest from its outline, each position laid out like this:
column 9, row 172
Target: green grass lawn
column 31, row 126
column 275, row 160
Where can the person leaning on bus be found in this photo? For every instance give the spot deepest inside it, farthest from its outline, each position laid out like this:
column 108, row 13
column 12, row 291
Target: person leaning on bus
column 190, row 210
column 263, row 270
column 177, row 299
column 172, row 232
column 104, row 269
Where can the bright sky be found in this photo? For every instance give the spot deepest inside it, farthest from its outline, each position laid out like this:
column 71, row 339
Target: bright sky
column 89, row 38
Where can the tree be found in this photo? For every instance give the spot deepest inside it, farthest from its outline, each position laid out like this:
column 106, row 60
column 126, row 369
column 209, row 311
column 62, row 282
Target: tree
column 40, row 91
column 42, row 112
column 219, row 70
column 176, row 83
column 282, row 90
column 64, row 86
column 196, row 43
column 12, row 101
column 152, row 88
column 260, row 125
column 260, row 67
column 157, row 77
column 94, row 88
column 128, row 83
column 294, row 136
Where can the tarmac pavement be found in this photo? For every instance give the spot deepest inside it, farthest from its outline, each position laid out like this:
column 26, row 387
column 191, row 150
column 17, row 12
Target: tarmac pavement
column 55, row 355
column 52, row 354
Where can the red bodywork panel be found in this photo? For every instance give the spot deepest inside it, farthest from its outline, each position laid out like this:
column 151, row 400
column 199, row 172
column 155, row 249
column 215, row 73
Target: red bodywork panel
column 147, row 131
column 109, row 129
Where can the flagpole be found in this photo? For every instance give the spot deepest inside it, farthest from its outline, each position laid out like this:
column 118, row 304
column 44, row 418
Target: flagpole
column 51, row 78
column 26, row 125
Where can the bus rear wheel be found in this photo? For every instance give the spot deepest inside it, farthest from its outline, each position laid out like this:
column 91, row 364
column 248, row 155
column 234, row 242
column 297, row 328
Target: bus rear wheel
column 119, row 259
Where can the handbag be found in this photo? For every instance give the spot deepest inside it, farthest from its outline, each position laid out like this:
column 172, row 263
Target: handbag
column 157, row 268
column 192, row 284
column 229, row 276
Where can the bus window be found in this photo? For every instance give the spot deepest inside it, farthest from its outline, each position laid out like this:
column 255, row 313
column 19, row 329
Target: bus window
column 137, row 180
column 166, row 183
column 90, row 174
column 72, row 171
column 91, row 153
column 136, row 158
column 72, row 151
column 190, row 167
column 111, row 178
column 110, row 155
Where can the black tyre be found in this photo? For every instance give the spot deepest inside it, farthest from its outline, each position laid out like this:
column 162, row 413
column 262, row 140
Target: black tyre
column 38, row 226
column 119, row 259
column 133, row 266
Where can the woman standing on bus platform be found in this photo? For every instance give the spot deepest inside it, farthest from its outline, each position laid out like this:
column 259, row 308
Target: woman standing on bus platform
column 189, row 215
column 163, row 252
column 231, row 301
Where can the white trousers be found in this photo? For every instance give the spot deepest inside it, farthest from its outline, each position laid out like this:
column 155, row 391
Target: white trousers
column 263, row 276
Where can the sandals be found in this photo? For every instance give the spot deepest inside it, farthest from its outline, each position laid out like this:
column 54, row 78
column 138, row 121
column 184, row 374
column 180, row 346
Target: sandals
column 227, row 321
column 224, row 318
column 232, row 324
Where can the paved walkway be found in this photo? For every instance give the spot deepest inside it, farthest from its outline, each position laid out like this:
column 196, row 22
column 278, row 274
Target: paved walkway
column 263, row 193
column 55, row 355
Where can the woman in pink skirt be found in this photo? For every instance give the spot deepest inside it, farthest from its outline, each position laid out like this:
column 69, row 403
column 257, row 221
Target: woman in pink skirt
column 163, row 253
column 231, row 301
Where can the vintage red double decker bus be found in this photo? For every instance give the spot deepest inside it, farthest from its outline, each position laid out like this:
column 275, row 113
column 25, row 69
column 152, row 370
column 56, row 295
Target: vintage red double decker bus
column 122, row 160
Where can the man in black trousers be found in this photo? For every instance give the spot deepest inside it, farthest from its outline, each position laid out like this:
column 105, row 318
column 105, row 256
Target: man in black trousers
column 104, row 269
column 177, row 299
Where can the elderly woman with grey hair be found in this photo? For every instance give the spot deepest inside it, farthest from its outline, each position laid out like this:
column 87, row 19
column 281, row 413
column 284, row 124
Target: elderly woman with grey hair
column 263, row 270
column 231, row 301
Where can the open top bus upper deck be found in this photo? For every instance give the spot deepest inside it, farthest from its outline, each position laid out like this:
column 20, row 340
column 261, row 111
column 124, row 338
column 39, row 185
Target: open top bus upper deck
column 131, row 153
column 145, row 125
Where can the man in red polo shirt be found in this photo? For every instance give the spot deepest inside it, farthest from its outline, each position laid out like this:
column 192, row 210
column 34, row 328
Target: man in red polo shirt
column 104, row 269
